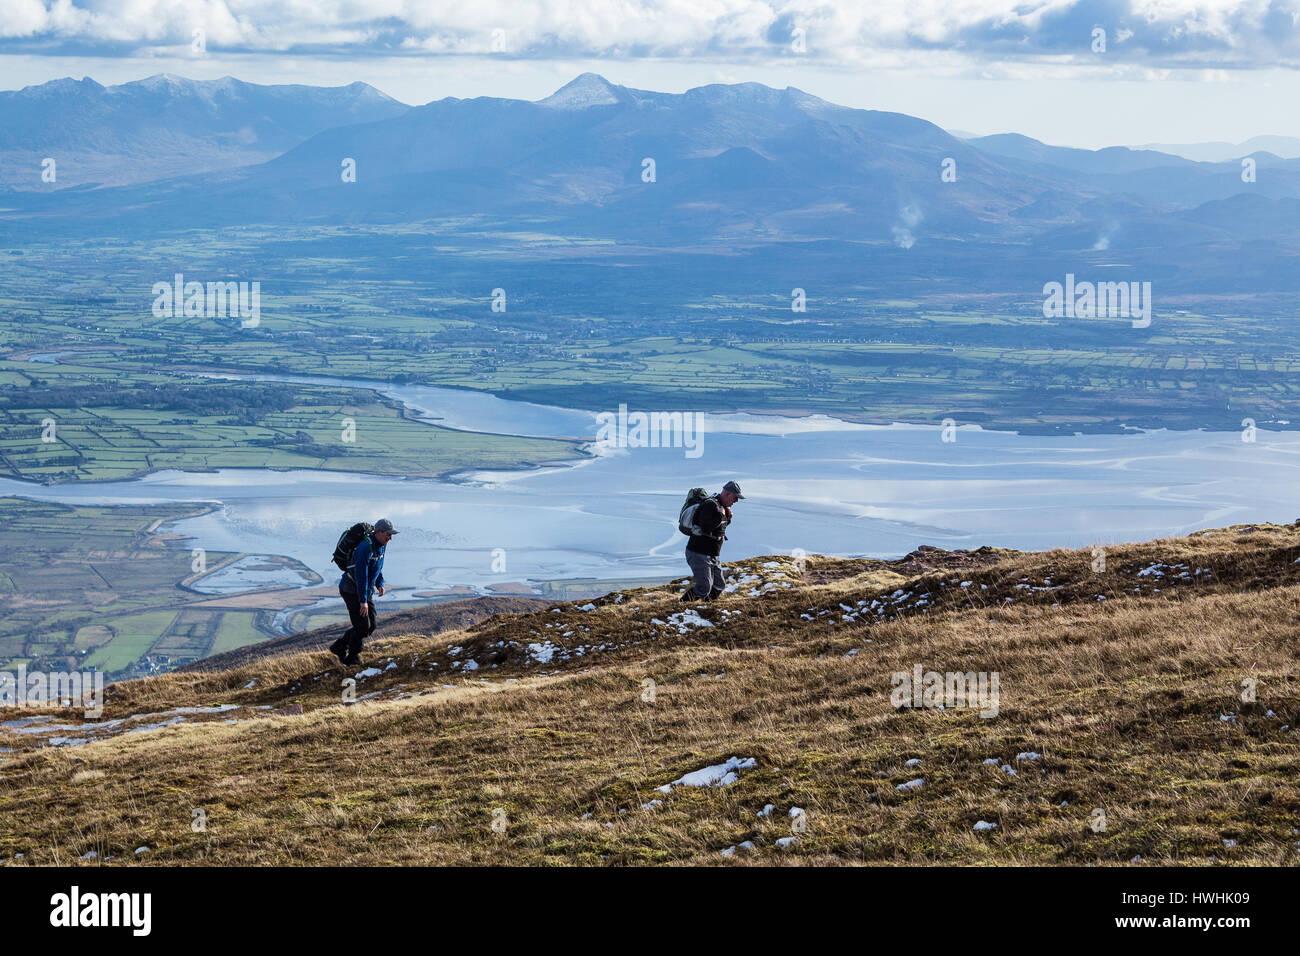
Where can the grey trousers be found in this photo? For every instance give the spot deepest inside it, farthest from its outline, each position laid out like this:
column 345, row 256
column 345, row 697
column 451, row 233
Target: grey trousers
column 709, row 579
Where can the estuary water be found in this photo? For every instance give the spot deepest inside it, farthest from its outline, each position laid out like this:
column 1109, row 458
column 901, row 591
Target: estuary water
column 816, row 484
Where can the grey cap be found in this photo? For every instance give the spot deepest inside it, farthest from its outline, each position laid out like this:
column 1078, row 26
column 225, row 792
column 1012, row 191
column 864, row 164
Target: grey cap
column 734, row 489
column 383, row 524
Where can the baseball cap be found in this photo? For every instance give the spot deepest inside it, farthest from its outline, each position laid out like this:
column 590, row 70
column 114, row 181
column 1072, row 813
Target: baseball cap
column 734, row 489
column 383, row 524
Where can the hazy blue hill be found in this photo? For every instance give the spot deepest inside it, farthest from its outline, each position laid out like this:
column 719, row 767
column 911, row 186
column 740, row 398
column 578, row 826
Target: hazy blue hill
column 1248, row 216
column 166, row 126
column 1113, row 159
column 1154, row 177
column 1287, row 147
column 1189, row 186
column 733, row 163
column 736, row 160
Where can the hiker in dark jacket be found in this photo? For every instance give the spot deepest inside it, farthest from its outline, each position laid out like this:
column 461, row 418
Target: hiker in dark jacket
column 702, row 550
column 363, row 579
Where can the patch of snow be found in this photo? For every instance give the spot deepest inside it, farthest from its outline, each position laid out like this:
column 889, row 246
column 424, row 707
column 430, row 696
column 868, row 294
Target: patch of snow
column 731, row 850
column 717, row 775
column 165, row 723
column 45, row 728
column 22, row 721
column 542, row 653
column 685, row 620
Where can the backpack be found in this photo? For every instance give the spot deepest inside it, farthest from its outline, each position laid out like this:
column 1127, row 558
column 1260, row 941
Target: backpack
column 348, row 542
column 686, row 518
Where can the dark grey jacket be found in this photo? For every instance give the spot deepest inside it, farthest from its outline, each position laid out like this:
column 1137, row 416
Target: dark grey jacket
column 711, row 517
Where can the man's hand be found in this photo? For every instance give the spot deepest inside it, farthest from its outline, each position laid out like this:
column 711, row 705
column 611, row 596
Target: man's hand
column 365, row 609
column 380, row 590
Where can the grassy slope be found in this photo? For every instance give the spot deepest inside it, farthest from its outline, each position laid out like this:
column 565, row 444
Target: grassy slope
column 432, row 619
column 1125, row 698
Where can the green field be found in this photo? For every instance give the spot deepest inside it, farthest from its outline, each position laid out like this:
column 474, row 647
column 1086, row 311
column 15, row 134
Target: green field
column 411, row 304
column 99, row 587
column 86, row 423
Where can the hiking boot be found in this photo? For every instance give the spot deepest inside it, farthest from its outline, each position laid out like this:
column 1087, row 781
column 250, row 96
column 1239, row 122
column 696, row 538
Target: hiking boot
column 353, row 661
column 687, row 596
column 340, row 649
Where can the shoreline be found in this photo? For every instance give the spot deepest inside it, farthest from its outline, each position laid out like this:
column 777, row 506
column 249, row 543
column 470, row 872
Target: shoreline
column 406, row 411
column 795, row 412
column 443, row 476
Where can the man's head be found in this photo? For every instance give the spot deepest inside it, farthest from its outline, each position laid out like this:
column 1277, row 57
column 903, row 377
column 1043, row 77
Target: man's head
column 384, row 531
column 730, row 494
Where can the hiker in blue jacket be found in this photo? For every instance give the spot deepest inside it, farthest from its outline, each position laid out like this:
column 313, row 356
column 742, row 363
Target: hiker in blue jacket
column 363, row 579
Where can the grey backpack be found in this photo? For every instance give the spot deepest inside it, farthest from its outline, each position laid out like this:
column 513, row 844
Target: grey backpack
column 686, row 519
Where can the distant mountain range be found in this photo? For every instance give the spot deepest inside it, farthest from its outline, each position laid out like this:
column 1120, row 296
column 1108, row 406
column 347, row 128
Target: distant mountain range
column 1286, row 147
column 165, row 126
column 740, row 162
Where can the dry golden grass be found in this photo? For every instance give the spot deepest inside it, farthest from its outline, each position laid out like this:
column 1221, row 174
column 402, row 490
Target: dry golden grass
column 552, row 763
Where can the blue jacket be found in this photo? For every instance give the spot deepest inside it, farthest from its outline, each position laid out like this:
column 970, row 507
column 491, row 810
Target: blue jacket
column 367, row 570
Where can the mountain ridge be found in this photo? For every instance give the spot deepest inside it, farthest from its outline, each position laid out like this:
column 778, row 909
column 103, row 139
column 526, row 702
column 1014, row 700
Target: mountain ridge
column 716, row 163
column 163, row 126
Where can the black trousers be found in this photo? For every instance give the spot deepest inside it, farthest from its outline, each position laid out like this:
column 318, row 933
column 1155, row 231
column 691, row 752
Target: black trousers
column 362, row 627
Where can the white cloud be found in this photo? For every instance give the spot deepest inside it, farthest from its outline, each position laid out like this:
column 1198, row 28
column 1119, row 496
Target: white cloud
column 1190, row 33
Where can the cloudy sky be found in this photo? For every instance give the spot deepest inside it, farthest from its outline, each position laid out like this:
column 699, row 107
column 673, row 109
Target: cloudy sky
column 1076, row 72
